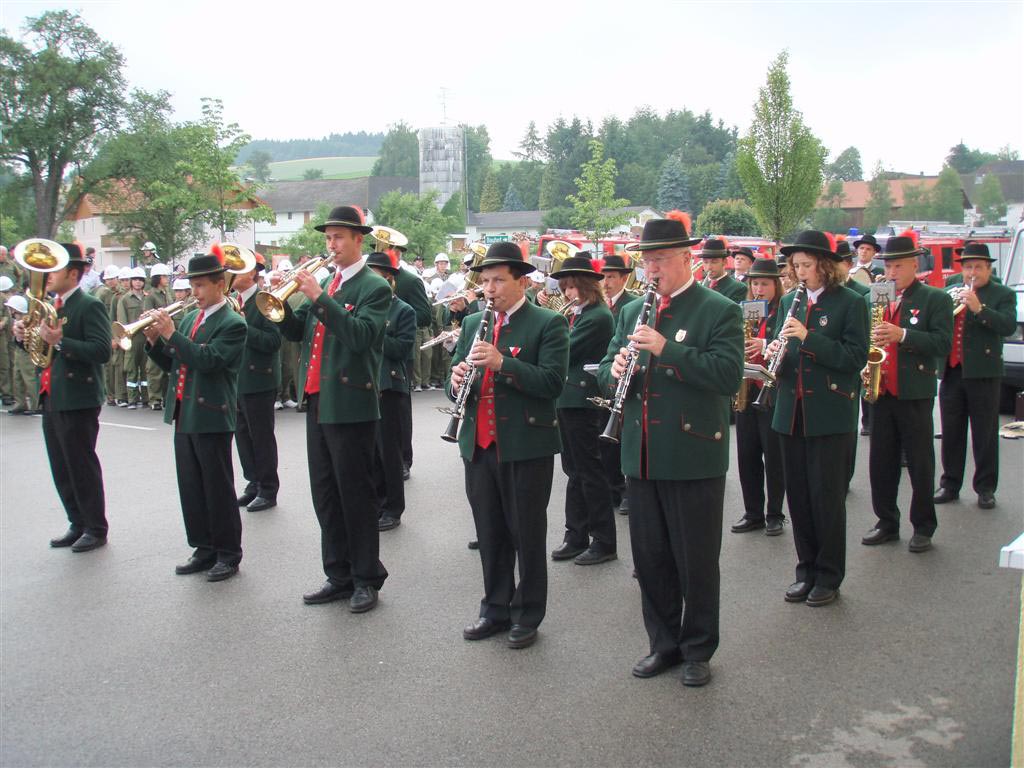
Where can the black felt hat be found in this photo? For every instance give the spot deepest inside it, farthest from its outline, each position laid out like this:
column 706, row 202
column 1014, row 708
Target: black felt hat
column 743, row 251
column 714, row 248
column 383, row 261
column 345, row 216
column 580, row 264
column 901, row 246
column 867, row 240
column 844, row 251
column 204, row 264
column 613, row 263
column 664, row 233
column 764, row 268
column 977, row 251
column 811, row 241
column 74, row 253
column 504, row 253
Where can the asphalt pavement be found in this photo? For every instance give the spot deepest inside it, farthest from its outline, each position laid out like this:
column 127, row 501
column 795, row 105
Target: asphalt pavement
column 109, row 659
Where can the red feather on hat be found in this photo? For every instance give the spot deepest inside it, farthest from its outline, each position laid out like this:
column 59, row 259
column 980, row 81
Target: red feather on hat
column 840, row 238
column 831, row 241
column 359, row 212
column 682, row 217
column 913, row 235
column 393, row 255
column 598, row 265
column 216, row 250
column 725, row 243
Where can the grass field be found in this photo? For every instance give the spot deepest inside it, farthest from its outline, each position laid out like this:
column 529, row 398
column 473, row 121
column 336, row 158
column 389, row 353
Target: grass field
column 333, row 167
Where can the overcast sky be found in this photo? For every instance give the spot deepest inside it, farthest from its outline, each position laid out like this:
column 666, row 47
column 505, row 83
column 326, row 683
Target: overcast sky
column 902, row 82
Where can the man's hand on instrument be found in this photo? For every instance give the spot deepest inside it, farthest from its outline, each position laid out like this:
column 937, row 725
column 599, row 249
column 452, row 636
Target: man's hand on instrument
column 151, row 334
column 753, row 347
column 773, row 347
column 887, row 333
column 19, row 330
column 648, row 340
column 542, row 297
column 794, row 329
column 457, row 305
column 970, row 298
column 619, row 363
column 164, row 324
column 486, row 355
column 308, row 285
column 50, row 334
column 459, row 375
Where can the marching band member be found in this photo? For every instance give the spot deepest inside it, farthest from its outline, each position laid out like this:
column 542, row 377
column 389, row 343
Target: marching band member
column 589, row 519
column 971, row 379
column 203, row 359
column 845, row 263
column 742, row 261
column 675, row 448
column 917, row 330
column 864, row 270
column 341, row 327
column 758, row 450
column 713, row 255
column 259, row 379
column 508, row 440
column 410, row 289
column 816, row 391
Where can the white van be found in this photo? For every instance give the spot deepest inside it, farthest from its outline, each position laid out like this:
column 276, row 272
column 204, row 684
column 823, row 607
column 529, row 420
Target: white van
column 1011, row 271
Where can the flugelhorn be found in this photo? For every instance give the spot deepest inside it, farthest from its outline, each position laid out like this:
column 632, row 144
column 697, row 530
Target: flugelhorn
column 123, row 333
column 237, row 261
column 39, row 257
column 271, row 304
column 956, row 293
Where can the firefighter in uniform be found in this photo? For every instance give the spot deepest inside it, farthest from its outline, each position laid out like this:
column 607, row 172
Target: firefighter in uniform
column 129, row 309
column 158, row 297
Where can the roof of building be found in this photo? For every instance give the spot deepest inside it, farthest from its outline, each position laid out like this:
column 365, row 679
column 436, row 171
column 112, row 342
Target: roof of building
column 857, row 193
column 1011, row 179
column 121, row 196
column 298, row 196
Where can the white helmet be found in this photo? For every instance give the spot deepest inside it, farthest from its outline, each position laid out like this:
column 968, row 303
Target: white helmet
column 441, row 257
column 5, row 283
column 159, row 269
column 537, row 276
column 149, row 247
column 124, row 273
column 284, row 266
column 181, row 284
column 111, row 271
column 18, row 303
column 137, row 273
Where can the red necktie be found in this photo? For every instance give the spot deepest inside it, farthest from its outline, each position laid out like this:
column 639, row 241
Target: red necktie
column 956, row 355
column 44, row 377
column 486, row 428
column 179, row 391
column 316, row 349
column 610, row 304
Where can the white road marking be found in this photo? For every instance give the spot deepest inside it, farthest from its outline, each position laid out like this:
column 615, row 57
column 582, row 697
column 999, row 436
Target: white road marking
column 127, row 426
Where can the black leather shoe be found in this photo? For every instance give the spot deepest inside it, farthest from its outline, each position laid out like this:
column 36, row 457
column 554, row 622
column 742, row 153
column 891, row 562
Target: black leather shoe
column 745, row 524
column 987, row 500
column 624, row 506
column 919, row 543
column 246, row 498
column 820, row 596
column 387, row 522
column 363, row 599
column 195, row 565
column 865, row 432
column 595, row 555
column 774, row 527
column 798, row 592
column 221, row 571
column 879, row 536
column 87, row 542
column 521, row 637
column 261, row 503
column 328, row 593
column 483, row 628
column 696, row 673
column 67, row 539
column 567, row 551
column 474, row 544
column 945, row 495
column 656, row 663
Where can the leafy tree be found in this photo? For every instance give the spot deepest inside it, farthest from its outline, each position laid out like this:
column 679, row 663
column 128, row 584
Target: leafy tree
column 531, row 148
column 1007, row 154
column 566, row 148
column 418, row 218
column 963, row 159
column 729, row 185
column 58, row 99
column 846, row 167
column 673, row 189
column 512, row 200
column 399, row 153
column 455, row 211
column 917, row 203
column 548, row 198
column 307, row 241
column 727, row 217
column 490, row 198
column 312, row 173
column 779, row 160
column 831, row 217
column 525, row 176
column 948, row 197
column 559, row 217
column 478, row 162
column 17, row 207
column 878, row 210
column 638, row 182
column 703, row 181
column 596, row 210
column 259, row 165
column 991, row 203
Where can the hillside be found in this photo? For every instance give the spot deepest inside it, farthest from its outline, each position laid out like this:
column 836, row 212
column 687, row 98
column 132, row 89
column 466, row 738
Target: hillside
column 360, row 144
column 332, row 167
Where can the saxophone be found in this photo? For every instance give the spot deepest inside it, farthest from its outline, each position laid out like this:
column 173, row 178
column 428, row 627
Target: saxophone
column 739, row 402
column 872, row 373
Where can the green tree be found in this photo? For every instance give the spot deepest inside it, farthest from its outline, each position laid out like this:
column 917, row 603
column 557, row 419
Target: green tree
column 418, row 218
column 846, row 166
column 703, row 180
column 478, row 162
column 831, row 217
column 259, row 165
column 963, row 159
column 948, row 197
column 991, row 203
column 878, row 210
column 455, row 211
column 673, row 189
column 566, row 148
column 512, row 201
column 59, row 98
column 490, row 198
column 531, row 148
column 596, row 210
column 312, row 173
column 307, row 241
column 729, row 186
column 727, row 217
column 399, row 154
column 917, row 203
column 559, row 217
column 779, row 160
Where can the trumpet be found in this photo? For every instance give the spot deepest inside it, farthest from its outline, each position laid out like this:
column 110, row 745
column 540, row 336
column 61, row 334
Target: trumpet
column 271, row 304
column 40, row 257
column 123, row 333
column 957, row 294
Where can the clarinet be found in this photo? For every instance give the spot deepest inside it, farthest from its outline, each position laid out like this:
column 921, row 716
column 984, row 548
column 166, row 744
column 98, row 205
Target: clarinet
column 613, row 431
column 764, row 397
column 451, row 434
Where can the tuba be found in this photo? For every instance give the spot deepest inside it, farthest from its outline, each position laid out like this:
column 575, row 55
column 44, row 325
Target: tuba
column 40, row 257
column 238, row 260
column 271, row 304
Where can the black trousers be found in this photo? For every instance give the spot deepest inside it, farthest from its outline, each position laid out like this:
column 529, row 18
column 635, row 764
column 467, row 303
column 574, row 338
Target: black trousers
column 509, row 500
column 344, row 499
column 611, row 458
column 588, row 498
column 405, row 425
column 865, row 414
column 973, row 401
column 907, row 425
column 759, row 455
column 257, row 444
column 390, row 487
column 206, row 487
column 816, row 469
column 676, row 532
column 70, row 438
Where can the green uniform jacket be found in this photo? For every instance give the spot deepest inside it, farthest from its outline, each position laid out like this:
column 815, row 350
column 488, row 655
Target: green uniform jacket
column 410, row 289
column 157, row 298
column 859, row 288
column 115, row 301
column 983, row 332
column 104, row 294
column 920, row 358
column 688, row 390
column 730, row 287
column 623, row 300
column 76, row 375
column 260, row 370
column 354, row 320
column 129, row 308
column 399, row 343
column 830, row 358
column 209, row 400
column 589, row 335
column 535, row 347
